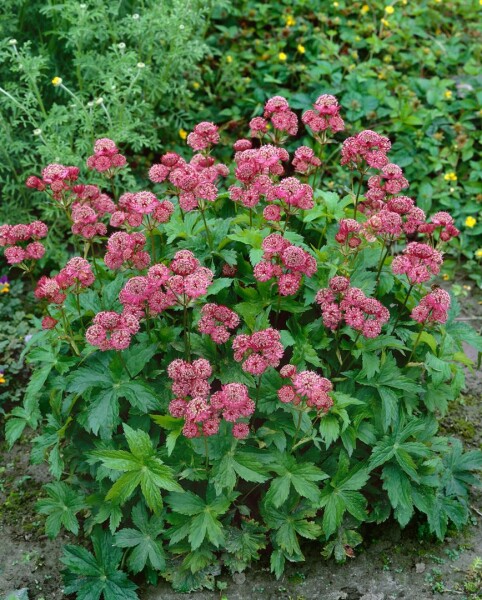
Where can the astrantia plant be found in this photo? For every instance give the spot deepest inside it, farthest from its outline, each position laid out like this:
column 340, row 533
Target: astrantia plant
column 227, row 372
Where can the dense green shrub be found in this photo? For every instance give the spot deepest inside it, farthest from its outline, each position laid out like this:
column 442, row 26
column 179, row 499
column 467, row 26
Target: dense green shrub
column 177, row 442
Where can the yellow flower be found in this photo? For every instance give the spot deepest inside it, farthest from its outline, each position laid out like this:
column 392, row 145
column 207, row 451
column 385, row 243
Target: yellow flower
column 470, row 222
column 364, row 9
column 5, row 288
column 282, row 56
column 182, row 134
column 56, row 81
column 290, row 21
column 450, row 176
column 478, row 253
column 2, row 378
column 229, row 59
column 389, row 10
column 301, row 49
column 448, row 94
column 336, row 4
column 196, row 85
column 385, row 22
column 445, row 277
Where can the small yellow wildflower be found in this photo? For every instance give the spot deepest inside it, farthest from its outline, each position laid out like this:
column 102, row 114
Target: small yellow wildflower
column 389, row 10
column 2, row 378
column 182, row 134
column 448, row 94
column 336, row 4
column 385, row 22
column 4, row 288
column 282, row 56
column 470, row 222
column 56, row 81
column 478, row 253
column 290, row 21
column 229, row 59
column 301, row 49
column 450, row 176
column 445, row 277
column 196, row 85
column 364, row 9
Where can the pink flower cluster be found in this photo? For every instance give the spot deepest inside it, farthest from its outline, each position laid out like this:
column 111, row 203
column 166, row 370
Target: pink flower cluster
column 419, row 262
column 12, row 235
column 55, row 177
column 259, row 351
column 216, row 321
column 366, row 149
column 89, row 206
column 77, row 273
column 106, row 157
column 292, row 194
column 195, row 182
column 349, row 233
column 254, row 167
column 204, row 136
column 278, row 111
column 305, row 161
column 390, row 181
column 126, row 248
column 442, row 222
column 203, row 414
column 339, row 302
column 433, row 308
column 306, row 387
column 132, row 208
column 286, row 262
column 324, row 116
column 112, row 331
column 163, row 287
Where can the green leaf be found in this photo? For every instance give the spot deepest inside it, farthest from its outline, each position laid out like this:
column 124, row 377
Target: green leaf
column 91, row 576
column 301, row 475
column 61, row 506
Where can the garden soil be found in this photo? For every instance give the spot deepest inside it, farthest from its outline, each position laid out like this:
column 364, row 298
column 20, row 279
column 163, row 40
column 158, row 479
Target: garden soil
column 392, row 564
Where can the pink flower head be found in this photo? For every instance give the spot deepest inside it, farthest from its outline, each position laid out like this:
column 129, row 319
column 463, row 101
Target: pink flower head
column 324, row 116
column 143, row 203
column 112, row 331
column 205, row 134
column 106, row 157
column 49, row 322
column 77, row 272
column 127, row 248
column 282, row 117
column 305, row 160
column 366, row 148
column 433, row 308
column 258, row 351
column 292, row 193
column 257, row 126
column 419, row 262
column 49, row 289
column 216, row 321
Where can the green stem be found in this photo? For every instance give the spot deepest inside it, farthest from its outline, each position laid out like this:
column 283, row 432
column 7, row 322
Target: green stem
column 349, row 354
column 416, row 343
column 187, row 341
column 298, row 426
column 383, row 256
column 403, row 306
column 358, row 194
column 206, row 450
column 208, row 232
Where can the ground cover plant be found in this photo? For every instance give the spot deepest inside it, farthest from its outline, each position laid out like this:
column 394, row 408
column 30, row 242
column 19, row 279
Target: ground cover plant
column 236, row 359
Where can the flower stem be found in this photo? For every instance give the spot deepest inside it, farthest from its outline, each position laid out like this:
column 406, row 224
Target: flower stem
column 298, row 427
column 358, row 194
column 403, row 306
column 416, row 343
column 207, row 230
column 187, row 341
column 124, row 365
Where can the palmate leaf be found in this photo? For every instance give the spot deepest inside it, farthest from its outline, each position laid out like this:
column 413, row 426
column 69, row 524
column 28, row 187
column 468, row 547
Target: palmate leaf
column 202, row 522
column 106, row 381
column 146, row 548
column 237, row 463
column 94, row 576
column 140, row 467
column 342, row 495
column 301, row 475
column 61, row 506
column 290, row 522
column 459, row 469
